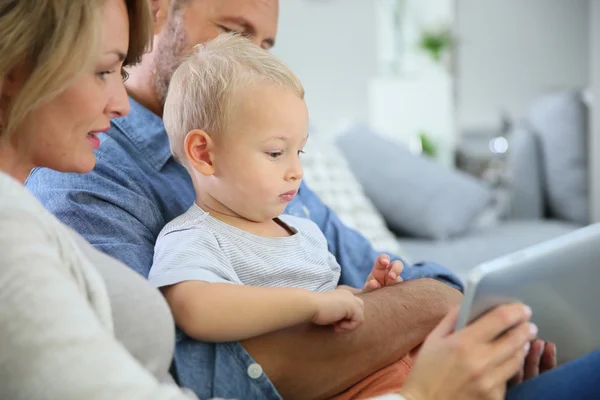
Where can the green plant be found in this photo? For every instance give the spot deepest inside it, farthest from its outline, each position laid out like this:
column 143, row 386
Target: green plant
column 428, row 146
column 436, row 41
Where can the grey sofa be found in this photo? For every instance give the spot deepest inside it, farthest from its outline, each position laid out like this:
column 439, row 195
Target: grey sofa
column 479, row 245
column 434, row 210
column 548, row 190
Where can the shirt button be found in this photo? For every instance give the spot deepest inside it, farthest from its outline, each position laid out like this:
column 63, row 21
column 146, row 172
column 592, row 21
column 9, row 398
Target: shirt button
column 255, row 371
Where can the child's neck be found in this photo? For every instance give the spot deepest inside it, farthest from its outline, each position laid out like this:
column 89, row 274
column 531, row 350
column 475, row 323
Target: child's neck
column 267, row 228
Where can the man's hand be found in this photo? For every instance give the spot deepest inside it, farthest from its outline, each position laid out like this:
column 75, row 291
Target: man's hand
column 383, row 274
column 340, row 308
column 541, row 358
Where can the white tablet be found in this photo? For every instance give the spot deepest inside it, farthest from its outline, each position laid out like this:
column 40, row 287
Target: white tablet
column 559, row 279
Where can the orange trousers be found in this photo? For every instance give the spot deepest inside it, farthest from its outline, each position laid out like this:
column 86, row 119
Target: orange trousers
column 387, row 380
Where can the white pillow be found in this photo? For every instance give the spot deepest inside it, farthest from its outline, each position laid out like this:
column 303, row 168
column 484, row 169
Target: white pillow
column 328, row 175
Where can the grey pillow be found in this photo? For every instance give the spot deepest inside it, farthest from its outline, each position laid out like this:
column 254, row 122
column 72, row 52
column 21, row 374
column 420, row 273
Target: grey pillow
column 525, row 174
column 560, row 119
column 416, row 196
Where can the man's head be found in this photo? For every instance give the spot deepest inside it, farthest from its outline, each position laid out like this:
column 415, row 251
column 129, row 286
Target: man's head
column 183, row 24
column 236, row 117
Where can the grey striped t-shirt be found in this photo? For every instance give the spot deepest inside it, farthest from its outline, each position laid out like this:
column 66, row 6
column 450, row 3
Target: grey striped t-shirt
column 196, row 246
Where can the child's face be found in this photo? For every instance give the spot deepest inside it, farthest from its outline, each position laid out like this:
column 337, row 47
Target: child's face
column 257, row 160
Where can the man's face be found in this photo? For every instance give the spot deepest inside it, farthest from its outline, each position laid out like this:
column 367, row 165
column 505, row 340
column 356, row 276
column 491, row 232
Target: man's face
column 198, row 21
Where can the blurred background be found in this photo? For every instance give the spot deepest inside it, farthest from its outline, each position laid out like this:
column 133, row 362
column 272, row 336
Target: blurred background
column 475, row 118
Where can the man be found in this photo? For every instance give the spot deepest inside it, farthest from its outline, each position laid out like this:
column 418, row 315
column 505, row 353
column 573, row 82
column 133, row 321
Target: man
column 137, row 187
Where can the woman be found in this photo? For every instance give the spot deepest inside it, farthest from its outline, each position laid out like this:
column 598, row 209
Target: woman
column 68, row 331
column 61, row 84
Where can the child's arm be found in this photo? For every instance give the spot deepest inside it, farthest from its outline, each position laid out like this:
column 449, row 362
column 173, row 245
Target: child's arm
column 350, row 289
column 222, row 312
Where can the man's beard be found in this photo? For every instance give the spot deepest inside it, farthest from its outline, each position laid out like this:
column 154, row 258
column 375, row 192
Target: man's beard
column 169, row 54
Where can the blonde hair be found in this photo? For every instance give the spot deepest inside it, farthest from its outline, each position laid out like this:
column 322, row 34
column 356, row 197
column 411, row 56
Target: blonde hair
column 54, row 42
column 203, row 87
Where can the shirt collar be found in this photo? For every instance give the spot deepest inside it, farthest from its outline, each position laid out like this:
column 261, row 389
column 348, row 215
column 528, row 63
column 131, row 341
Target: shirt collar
column 146, row 131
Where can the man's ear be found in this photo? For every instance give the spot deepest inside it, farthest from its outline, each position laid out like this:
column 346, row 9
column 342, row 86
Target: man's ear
column 160, row 12
column 199, row 149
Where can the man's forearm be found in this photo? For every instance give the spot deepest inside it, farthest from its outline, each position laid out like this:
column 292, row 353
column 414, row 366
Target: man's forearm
column 311, row 362
column 409, row 309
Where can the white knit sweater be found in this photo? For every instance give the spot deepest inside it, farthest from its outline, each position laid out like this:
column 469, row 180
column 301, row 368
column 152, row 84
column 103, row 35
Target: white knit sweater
column 56, row 328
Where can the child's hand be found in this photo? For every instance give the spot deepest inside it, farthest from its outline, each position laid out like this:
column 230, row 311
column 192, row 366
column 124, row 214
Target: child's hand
column 339, row 308
column 383, row 273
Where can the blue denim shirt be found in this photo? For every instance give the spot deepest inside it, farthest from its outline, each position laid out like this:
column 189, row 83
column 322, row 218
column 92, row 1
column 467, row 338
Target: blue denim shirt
column 135, row 189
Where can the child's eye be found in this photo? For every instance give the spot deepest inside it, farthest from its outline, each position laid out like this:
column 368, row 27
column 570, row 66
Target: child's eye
column 274, row 154
column 301, row 152
column 225, row 29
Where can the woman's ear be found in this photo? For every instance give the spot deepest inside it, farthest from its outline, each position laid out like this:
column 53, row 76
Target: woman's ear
column 10, row 87
column 13, row 82
column 199, row 149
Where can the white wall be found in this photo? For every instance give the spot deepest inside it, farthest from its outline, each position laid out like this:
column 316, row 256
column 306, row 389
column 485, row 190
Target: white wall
column 331, row 46
column 512, row 50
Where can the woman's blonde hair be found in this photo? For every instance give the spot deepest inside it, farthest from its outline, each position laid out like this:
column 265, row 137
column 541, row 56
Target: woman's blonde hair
column 202, row 89
column 54, row 42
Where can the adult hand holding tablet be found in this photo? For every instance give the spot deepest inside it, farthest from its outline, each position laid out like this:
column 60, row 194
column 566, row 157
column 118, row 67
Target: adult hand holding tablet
column 473, row 363
column 557, row 279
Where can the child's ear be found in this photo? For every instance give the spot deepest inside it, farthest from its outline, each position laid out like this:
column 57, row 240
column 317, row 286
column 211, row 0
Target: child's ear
column 199, row 151
column 160, row 12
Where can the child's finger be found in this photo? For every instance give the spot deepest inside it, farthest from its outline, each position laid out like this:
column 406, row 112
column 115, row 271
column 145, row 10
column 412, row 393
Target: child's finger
column 380, row 268
column 346, row 326
column 371, row 285
column 393, row 275
column 382, row 262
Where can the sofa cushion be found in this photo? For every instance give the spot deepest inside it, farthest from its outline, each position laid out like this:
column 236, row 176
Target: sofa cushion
column 525, row 174
column 560, row 119
column 416, row 195
column 328, row 175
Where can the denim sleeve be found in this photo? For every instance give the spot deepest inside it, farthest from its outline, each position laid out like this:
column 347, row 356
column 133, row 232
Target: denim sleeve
column 355, row 253
column 106, row 207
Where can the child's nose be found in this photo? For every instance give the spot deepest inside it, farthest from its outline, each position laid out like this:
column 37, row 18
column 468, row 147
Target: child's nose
column 295, row 171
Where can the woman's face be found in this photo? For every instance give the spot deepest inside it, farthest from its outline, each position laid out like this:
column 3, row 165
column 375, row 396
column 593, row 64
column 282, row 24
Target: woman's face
column 67, row 127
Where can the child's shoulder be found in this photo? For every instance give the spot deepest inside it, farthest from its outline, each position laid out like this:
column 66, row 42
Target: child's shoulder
column 194, row 218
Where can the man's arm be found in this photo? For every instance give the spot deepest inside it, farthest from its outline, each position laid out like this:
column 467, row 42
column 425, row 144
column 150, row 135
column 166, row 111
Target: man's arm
column 106, row 208
column 354, row 252
column 310, row 362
